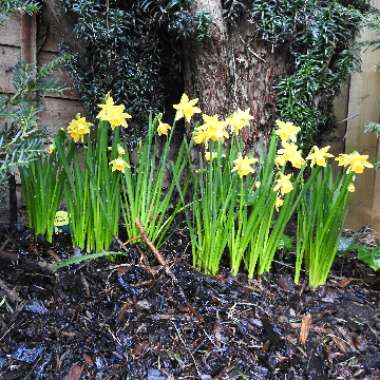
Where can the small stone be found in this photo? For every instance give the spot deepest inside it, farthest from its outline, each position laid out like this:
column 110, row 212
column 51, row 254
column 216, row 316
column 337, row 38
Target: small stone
column 27, row 354
column 36, row 308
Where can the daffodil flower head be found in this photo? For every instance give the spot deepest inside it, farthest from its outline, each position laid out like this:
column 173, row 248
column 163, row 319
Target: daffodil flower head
column 319, row 156
column 163, row 129
column 239, row 120
column 283, row 184
column 112, row 113
column 243, row 165
column 210, row 156
column 200, row 135
column 78, row 128
column 355, row 162
column 287, row 131
column 279, row 203
column 186, row 108
column 51, row 149
column 216, row 129
column 118, row 164
column 290, row 153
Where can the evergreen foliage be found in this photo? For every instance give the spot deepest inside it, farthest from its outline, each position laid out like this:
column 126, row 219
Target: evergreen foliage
column 130, row 52
column 133, row 51
column 9, row 7
column 320, row 37
column 20, row 136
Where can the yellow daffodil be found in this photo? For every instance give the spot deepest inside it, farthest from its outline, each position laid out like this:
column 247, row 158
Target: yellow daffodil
column 318, row 156
column 61, row 219
column 120, row 150
column 283, row 184
column 214, row 156
column 201, row 135
column 343, row 160
column 216, row 129
column 51, row 149
column 355, row 162
column 287, row 131
column 78, row 128
column 118, row 164
column 279, row 203
column 208, row 156
column 113, row 113
column 351, row 187
column 238, row 120
column 290, row 153
column 186, row 108
column 243, row 165
column 163, row 129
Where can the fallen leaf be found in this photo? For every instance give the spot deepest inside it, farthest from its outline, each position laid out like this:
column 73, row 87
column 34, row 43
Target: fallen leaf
column 305, row 328
column 75, row 372
column 345, row 282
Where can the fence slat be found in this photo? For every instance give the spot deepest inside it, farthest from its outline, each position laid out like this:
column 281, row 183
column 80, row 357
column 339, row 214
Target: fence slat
column 364, row 102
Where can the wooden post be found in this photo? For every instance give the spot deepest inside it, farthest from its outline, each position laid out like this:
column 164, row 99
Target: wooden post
column 364, row 106
column 29, row 39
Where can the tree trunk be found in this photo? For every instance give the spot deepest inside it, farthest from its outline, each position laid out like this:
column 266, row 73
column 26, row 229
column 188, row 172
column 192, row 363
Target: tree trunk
column 232, row 68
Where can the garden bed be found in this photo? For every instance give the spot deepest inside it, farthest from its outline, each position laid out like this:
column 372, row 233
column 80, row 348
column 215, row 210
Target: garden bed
column 127, row 320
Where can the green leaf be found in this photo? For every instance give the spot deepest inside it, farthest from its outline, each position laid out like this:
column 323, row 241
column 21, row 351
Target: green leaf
column 79, row 259
column 370, row 256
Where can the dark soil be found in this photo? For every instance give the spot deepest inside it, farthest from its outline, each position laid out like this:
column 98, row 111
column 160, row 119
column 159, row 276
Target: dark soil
column 110, row 320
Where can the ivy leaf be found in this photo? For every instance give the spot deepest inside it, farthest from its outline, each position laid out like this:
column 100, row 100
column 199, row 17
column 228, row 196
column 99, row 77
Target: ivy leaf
column 370, row 256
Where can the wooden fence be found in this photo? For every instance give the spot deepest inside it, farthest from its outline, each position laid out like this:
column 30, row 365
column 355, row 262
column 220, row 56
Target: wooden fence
column 22, row 39
column 359, row 104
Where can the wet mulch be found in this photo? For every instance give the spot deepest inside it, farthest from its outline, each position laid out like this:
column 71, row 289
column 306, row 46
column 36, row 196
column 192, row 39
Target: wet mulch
column 110, row 320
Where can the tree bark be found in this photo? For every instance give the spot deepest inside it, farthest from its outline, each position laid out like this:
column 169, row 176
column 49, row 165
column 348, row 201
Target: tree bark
column 232, row 68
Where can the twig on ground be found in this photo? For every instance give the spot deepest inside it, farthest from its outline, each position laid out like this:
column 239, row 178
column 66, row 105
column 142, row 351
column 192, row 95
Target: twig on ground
column 188, row 350
column 143, row 259
column 165, row 265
